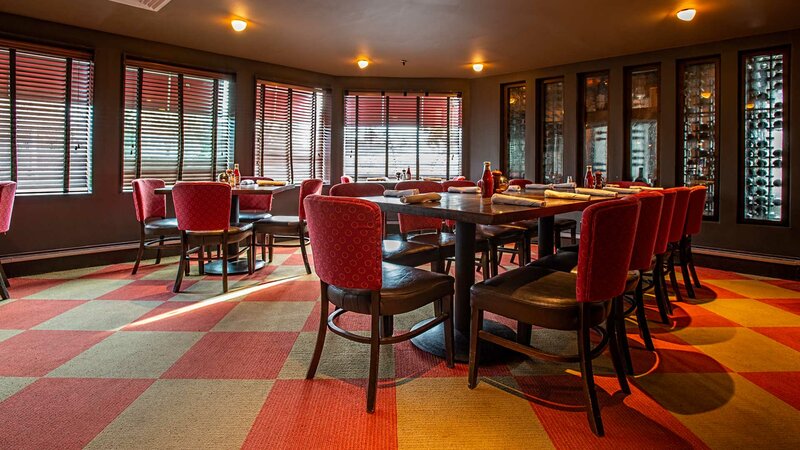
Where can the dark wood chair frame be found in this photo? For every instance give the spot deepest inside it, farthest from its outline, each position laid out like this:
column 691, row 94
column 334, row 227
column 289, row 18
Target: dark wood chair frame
column 201, row 243
column 268, row 242
column 4, row 284
column 160, row 243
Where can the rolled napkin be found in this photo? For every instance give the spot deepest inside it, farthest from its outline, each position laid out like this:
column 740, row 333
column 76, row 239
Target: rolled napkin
column 270, row 183
column 377, row 179
column 516, row 200
column 566, row 195
column 431, row 179
column 620, row 190
column 538, row 187
column 401, row 193
column 595, row 192
column 564, row 186
column 513, row 188
column 421, row 198
column 464, row 189
column 612, row 185
column 650, row 188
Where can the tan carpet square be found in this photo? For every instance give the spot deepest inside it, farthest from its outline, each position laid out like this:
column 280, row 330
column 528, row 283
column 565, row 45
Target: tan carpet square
column 266, row 316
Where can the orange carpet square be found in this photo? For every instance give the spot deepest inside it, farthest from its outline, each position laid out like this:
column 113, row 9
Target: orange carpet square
column 24, row 314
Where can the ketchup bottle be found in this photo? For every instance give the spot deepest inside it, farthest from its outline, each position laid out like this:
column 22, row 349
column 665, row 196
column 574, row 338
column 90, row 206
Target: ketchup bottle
column 487, row 189
column 588, row 180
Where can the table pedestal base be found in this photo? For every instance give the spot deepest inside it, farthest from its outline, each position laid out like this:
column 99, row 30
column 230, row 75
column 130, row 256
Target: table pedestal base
column 432, row 342
column 234, row 267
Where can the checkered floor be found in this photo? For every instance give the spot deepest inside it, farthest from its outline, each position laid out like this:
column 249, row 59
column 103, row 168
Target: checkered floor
column 99, row 358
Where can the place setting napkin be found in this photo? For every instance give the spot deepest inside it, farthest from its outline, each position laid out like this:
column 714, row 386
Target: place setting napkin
column 516, row 200
column 421, row 198
column 565, row 195
column 270, row 183
column 595, row 192
column 538, row 187
column 464, row 189
column 400, row 193
column 620, row 190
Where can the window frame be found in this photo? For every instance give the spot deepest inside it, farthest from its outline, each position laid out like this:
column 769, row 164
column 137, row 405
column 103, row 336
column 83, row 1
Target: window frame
column 580, row 156
column 628, row 118
column 541, row 108
column 505, row 137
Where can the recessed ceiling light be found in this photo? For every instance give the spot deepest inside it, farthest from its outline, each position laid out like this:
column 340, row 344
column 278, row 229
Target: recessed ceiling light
column 477, row 67
column 238, row 24
column 363, row 63
column 687, row 15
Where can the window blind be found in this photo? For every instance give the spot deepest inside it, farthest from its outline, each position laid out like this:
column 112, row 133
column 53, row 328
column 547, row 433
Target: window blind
column 292, row 132
column 45, row 119
column 385, row 133
column 179, row 124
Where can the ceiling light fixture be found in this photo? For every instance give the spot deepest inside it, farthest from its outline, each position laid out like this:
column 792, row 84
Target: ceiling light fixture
column 238, row 24
column 363, row 63
column 687, row 15
column 477, row 67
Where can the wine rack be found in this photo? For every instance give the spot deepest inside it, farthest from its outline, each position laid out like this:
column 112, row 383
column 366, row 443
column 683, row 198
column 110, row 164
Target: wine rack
column 641, row 116
column 764, row 80
column 514, row 134
column 594, row 126
column 698, row 131
column 551, row 129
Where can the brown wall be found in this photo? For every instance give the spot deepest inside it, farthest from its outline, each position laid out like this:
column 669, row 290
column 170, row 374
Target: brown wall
column 106, row 216
column 726, row 233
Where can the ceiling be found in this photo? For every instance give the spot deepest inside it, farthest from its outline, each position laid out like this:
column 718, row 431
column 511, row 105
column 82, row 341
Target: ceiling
column 438, row 38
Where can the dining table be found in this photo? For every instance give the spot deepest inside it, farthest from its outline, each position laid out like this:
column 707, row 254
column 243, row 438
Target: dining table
column 468, row 211
column 238, row 265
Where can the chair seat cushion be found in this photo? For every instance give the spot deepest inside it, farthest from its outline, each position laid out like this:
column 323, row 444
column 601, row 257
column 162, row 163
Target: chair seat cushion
column 445, row 242
column 253, row 215
column 537, row 296
column 161, row 226
column 278, row 225
column 531, row 225
column 407, row 253
column 404, row 289
column 499, row 231
column 561, row 223
column 567, row 261
column 233, row 229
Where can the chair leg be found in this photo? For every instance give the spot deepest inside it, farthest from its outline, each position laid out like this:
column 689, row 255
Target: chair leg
column 323, row 328
column 447, row 308
column 520, row 248
column 573, row 238
column 374, row 355
column 524, row 333
column 139, row 254
column 690, row 261
column 4, row 284
column 183, row 262
column 673, row 279
column 4, row 277
column 251, row 255
column 683, row 259
column 485, row 263
column 201, row 264
column 225, row 262
column 618, row 344
column 495, row 264
column 387, row 326
column 270, row 243
column 302, row 234
column 659, row 287
column 263, row 246
column 557, row 237
column 447, row 265
column 641, row 318
column 584, row 353
column 514, row 255
column 158, row 249
column 526, row 246
column 474, row 347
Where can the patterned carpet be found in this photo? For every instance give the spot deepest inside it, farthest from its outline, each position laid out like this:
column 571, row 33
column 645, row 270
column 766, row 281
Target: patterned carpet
column 99, row 358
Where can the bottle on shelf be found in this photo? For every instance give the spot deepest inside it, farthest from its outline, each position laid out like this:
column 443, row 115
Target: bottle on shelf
column 588, row 180
column 237, row 176
column 640, row 177
column 487, row 180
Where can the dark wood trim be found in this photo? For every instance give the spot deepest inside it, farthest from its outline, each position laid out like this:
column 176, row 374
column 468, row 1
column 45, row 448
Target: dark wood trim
column 290, row 130
column 214, row 124
column 312, row 145
column 419, row 124
column 12, row 87
column 149, row 64
column 628, row 116
column 448, row 140
column 181, row 131
column 139, row 86
column 386, row 137
column 53, row 50
column 581, row 110
column 67, row 124
column 541, row 138
column 263, row 115
column 785, row 51
column 505, row 134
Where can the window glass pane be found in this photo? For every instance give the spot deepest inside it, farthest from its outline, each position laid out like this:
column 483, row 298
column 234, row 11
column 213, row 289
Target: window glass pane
column 514, row 101
column 552, row 116
column 595, row 122
column 642, row 113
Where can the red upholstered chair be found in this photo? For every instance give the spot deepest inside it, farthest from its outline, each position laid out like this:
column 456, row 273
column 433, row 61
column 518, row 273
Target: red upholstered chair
column 426, row 230
column 627, row 184
column 568, row 301
column 203, row 211
column 346, row 179
column 254, row 207
column 346, row 235
column 519, row 182
column 676, row 228
column 660, row 250
column 560, row 224
column 8, row 189
column 293, row 227
column 155, row 229
column 694, row 220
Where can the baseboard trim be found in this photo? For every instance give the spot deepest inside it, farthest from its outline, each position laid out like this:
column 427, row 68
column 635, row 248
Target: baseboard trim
column 69, row 252
column 755, row 257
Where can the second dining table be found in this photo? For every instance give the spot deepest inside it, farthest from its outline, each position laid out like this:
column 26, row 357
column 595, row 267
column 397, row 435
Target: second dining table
column 468, row 211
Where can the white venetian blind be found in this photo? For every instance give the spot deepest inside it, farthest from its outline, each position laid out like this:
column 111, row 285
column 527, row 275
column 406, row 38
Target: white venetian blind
column 386, row 133
column 292, row 132
column 45, row 118
column 179, row 124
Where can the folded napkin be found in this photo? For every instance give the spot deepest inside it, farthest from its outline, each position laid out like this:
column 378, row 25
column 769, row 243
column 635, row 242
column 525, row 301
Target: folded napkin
column 402, row 193
column 612, row 185
column 564, row 186
column 516, row 200
column 421, row 198
column 513, row 188
column 377, row 179
column 650, row 188
column 431, row 179
column 620, row 190
column 538, row 187
column 567, row 195
column 270, row 183
column 464, row 189
column 595, row 192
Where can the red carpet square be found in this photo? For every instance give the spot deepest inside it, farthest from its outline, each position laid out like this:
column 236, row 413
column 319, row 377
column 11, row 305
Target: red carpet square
column 146, row 290
column 411, row 362
column 289, row 291
column 324, row 414
column 24, row 314
column 672, row 355
column 64, row 413
column 35, row 353
column 686, row 314
column 704, row 273
column 297, row 260
column 788, row 336
column 246, row 355
column 23, row 287
column 349, row 321
column 180, row 316
column 123, row 271
column 784, row 385
column 786, row 284
column 787, row 304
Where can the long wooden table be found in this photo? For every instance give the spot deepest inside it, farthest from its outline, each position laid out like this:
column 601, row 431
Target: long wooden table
column 469, row 210
column 239, row 265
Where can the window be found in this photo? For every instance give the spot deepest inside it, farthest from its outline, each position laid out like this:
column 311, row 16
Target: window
column 551, row 130
column 641, row 116
column 293, row 132
column 385, row 133
column 179, row 124
column 45, row 119
column 513, row 164
column 594, row 123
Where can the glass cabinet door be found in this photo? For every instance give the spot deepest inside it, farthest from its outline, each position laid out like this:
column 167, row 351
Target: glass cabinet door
column 763, row 190
column 641, row 115
column 594, row 126
column 551, row 130
column 513, row 164
column 698, row 129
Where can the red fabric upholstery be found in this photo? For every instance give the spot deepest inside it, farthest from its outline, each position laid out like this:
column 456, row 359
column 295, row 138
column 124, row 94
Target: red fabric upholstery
column 662, row 237
column 694, row 212
column 307, row 187
column 457, row 183
column 521, row 182
column 679, row 213
column 346, row 179
column 409, row 223
column 650, row 203
column 255, row 202
column 147, row 203
column 356, row 190
column 346, row 235
column 8, row 189
column 202, row 205
column 607, row 235
column 627, row 184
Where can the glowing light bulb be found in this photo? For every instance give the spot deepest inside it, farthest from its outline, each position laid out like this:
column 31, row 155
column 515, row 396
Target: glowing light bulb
column 687, row 15
column 363, row 63
column 477, row 67
column 238, row 24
